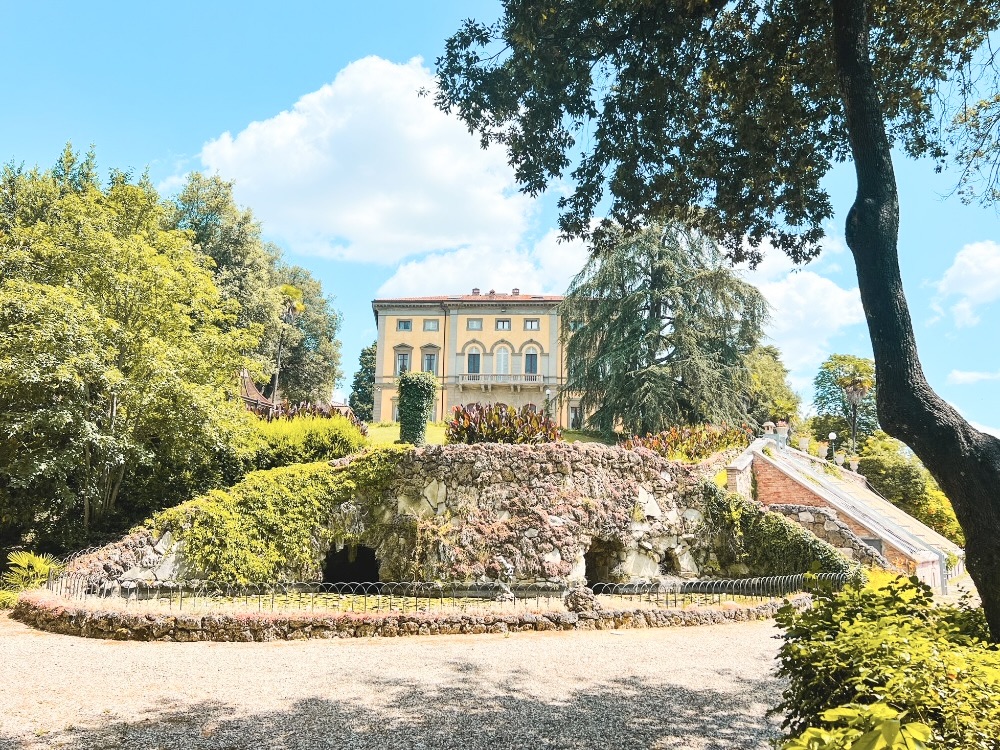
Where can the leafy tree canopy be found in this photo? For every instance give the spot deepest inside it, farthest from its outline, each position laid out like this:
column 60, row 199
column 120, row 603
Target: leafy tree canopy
column 771, row 397
column 837, row 375
column 249, row 271
column 362, row 398
column 117, row 359
column 723, row 115
column 659, row 332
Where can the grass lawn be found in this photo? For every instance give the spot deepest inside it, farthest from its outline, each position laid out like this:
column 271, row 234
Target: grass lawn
column 387, row 433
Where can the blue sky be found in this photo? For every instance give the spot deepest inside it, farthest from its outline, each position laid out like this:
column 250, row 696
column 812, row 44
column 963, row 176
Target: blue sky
column 312, row 109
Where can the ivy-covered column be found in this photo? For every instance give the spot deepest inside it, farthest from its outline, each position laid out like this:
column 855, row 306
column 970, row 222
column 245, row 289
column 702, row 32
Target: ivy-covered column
column 416, row 398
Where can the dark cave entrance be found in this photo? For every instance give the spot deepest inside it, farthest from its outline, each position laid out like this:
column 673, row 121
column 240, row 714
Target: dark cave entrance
column 601, row 561
column 355, row 563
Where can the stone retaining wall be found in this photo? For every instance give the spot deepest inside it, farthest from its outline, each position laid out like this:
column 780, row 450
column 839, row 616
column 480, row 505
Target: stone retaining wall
column 46, row 612
column 824, row 523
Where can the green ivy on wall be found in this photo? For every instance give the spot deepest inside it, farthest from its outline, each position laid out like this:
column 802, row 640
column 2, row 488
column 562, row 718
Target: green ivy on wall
column 416, row 397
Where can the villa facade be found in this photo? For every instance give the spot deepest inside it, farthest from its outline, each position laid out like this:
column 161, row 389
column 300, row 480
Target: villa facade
column 483, row 347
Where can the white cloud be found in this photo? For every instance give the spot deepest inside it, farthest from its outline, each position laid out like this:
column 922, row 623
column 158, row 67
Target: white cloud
column 807, row 309
column 974, row 278
column 366, row 169
column 964, row 377
column 545, row 268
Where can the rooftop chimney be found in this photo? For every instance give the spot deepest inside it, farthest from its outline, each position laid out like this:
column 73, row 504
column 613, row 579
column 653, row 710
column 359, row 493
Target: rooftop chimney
column 493, row 292
column 516, row 291
column 475, row 291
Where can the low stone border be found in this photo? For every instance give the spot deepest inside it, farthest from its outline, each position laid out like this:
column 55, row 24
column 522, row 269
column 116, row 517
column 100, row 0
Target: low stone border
column 44, row 611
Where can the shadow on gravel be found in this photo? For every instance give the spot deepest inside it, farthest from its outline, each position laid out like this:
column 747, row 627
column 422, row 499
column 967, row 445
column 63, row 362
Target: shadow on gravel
column 622, row 715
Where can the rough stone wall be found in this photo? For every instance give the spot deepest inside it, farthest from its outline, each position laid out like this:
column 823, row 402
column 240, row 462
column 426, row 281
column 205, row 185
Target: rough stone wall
column 48, row 613
column 824, row 523
column 515, row 513
column 531, row 513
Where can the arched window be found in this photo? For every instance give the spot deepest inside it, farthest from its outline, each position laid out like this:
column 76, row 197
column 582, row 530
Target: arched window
column 472, row 361
column 503, row 361
column 531, row 361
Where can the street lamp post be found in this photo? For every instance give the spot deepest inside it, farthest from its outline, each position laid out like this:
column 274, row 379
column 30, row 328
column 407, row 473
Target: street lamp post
column 548, row 403
column 833, row 445
column 855, row 393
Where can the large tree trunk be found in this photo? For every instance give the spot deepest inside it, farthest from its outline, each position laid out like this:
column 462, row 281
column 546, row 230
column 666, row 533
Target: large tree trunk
column 964, row 461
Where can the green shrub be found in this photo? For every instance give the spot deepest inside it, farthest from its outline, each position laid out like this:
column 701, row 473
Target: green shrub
column 892, row 646
column 416, row 399
column 499, row 423
column 765, row 542
column 874, row 727
column 274, row 524
column 26, row 570
column 306, row 439
column 692, row 443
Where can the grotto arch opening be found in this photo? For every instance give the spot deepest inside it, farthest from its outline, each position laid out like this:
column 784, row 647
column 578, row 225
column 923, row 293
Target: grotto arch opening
column 602, row 562
column 352, row 563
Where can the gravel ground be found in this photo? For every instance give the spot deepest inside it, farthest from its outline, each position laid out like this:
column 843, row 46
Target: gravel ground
column 700, row 687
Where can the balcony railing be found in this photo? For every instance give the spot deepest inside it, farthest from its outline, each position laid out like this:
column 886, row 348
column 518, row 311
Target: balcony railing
column 502, row 379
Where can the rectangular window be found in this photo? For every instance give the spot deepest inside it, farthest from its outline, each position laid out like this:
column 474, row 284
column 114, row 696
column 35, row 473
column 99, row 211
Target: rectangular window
column 530, row 364
column 531, row 324
column 430, row 363
column 430, row 325
column 475, row 324
column 402, row 363
column 503, row 324
column 404, row 325
column 474, row 363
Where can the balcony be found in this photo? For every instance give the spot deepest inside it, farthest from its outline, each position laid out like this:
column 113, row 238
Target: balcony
column 514, row 382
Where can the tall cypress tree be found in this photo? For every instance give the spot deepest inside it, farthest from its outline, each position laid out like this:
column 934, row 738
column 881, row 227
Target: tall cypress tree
column 362, row 398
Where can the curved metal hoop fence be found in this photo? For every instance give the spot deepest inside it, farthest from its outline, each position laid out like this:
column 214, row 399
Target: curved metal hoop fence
column 388, row 597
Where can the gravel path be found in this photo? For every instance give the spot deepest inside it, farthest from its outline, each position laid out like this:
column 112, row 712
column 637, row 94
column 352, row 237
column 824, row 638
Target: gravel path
column 702, row 687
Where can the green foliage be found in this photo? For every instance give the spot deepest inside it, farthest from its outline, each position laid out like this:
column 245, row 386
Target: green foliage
column 416, row 400
column 854, row 727
column 837, row 374
column 275, row 524
column 655, row 110
column 310, row 352
column 249, row 273
column 896, row 474
column 362, row 398
column 306, row 439
column 767, row 543
column 893, row 646
column 499, row 423
column 25, row 571
column 658, row 331
column 771, row 398
column 117, row 358
column 692, row 443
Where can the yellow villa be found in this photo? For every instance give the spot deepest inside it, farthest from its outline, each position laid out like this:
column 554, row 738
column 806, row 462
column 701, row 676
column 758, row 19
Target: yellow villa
column 483, row 347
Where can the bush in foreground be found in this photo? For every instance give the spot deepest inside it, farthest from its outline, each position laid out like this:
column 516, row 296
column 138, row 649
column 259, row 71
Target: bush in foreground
column 894, row 647
column 499, row 423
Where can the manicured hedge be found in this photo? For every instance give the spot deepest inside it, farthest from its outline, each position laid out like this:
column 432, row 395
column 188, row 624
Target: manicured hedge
column 306, row 439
